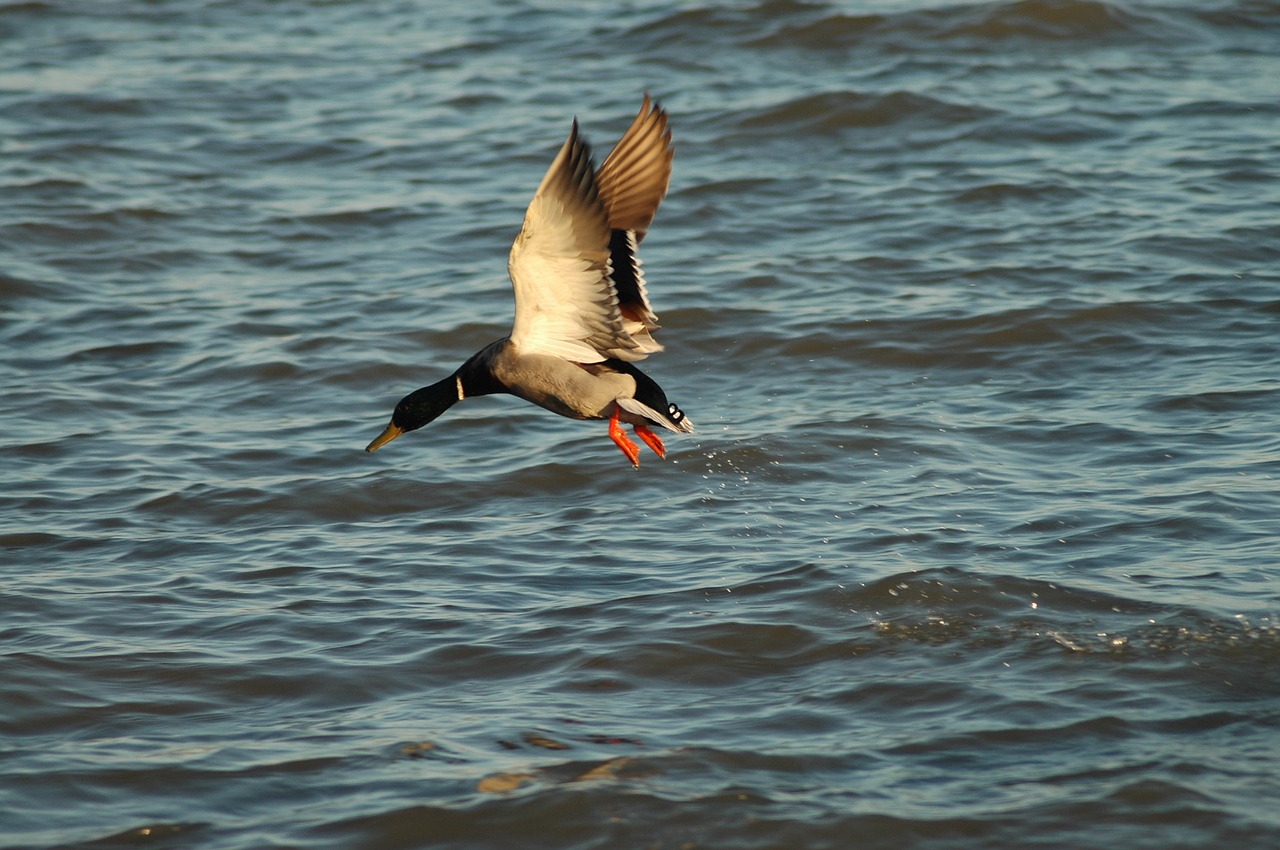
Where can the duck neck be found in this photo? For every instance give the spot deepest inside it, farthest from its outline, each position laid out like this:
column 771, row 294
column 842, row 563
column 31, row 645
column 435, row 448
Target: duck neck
column 475, row 377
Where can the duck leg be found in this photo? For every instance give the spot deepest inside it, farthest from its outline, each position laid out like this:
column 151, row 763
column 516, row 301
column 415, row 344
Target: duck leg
column 619, row 437
column 651, row 440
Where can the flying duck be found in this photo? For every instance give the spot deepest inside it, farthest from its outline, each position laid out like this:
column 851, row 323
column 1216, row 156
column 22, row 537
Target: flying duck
column 582, row 315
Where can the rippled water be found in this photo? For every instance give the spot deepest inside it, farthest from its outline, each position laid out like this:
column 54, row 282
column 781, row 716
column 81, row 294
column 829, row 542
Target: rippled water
column 976, row 307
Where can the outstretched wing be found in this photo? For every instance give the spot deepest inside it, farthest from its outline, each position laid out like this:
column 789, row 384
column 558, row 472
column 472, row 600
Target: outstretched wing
column 632, row 183
column 578, row 286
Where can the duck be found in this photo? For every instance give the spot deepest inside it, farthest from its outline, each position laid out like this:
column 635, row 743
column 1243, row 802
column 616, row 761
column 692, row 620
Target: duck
column 582, row 313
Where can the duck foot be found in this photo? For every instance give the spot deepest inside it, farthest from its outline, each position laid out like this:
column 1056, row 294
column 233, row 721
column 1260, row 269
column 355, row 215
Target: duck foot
column 651, row 440
column 619, row 437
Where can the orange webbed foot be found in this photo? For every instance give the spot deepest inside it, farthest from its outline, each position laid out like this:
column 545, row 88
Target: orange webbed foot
column 651, row 440
column 619, row 437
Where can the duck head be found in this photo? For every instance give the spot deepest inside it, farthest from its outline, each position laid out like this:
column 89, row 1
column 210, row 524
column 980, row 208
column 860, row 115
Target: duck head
column 417, row 409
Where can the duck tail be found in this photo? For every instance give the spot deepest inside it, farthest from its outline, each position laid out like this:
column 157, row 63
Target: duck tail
column 673, row 419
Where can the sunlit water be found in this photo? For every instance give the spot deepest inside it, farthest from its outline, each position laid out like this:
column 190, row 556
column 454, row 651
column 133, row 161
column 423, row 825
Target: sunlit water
column 977, row 308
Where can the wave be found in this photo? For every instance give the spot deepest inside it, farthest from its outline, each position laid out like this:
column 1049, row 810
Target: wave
column 782, row 24
column 832, row 111
column 1025, row 335
column 979, row 611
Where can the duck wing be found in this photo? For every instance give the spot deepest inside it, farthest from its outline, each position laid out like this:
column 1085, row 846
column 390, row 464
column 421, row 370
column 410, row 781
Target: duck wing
column 632, row 183
column 578, row 288
column 634, row 177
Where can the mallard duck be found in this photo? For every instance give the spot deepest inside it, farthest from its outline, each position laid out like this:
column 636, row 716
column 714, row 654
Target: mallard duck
column 582, row 316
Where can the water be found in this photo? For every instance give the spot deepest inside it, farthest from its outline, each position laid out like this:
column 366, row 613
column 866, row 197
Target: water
column 976, row 307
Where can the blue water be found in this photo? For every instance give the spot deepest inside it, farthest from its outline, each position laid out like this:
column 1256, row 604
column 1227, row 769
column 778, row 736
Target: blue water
column 977, row 308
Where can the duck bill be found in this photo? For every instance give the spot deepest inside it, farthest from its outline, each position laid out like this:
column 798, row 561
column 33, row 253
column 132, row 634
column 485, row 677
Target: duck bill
column 392, row 431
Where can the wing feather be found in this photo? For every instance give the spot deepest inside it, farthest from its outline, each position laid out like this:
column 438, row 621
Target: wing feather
column 579, row 288
column 634, row 177
column 559, row 264
column 633, row 181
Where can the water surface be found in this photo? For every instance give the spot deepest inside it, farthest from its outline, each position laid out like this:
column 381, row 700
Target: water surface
column 975, row 305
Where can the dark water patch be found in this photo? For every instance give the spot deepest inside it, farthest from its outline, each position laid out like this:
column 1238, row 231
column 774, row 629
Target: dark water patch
column 470, row 102
column 908, row 702
column 59, row 190
column 833, row 112
column 343, row 223
column 70, row 234
column 25, row 8
column 1222, row 108
column 1071, row 127
column 1135, row 810
column 118, row 355
column 330, row 151
column 1227, row 167
column 76, row 151
column 130, row 217
column 737, row 23
column 1046, row 338
column 14, row 288
column 719, row 189
column 395, row 486
column 839, row 31
column 1242, row 14
column 181, row 684
column 1198, row 250
column 1048, row 22
column 1216, row 401
column 25, row 540
column 710, row 656
column 997, row 194
column 1058, row 20
column 964, row 748
column 491, row 663
column 55, row 107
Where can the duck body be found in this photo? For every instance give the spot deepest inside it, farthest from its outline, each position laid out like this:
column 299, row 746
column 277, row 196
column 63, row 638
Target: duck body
column 582, row 310
column 611, row 389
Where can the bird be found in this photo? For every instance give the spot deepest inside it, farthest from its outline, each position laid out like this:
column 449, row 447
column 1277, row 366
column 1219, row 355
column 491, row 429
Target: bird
column 582, row 312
